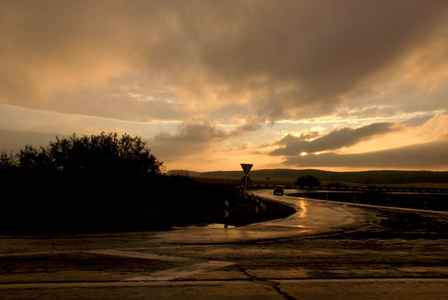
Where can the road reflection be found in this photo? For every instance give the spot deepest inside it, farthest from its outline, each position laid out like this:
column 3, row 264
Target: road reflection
column 311, row 217
column 302, row 211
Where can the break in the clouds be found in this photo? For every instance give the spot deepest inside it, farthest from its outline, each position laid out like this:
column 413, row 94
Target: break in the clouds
column 339, row 138
column 266, row 68
column 422, row 147
column 428, row 156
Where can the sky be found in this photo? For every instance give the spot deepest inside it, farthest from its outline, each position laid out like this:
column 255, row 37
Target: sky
column 339, row 85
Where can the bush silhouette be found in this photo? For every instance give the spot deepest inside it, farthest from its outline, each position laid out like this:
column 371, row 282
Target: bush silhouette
column 102, row 153
column 98, row 183
column 308, row 180
column 7, row 161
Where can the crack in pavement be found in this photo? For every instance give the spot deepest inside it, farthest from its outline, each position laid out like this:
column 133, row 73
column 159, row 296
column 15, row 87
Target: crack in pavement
column 266, row 282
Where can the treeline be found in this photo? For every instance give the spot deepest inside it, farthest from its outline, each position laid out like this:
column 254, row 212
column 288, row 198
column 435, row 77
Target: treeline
column 363, row 177
column 103, row 153
column 36, row 201
column 98, row 183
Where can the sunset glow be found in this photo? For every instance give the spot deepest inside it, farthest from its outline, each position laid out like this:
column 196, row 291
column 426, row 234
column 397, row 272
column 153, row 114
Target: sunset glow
column 335, row 85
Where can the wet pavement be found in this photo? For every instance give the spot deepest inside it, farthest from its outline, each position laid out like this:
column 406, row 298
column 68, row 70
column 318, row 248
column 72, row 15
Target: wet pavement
column 325, row 250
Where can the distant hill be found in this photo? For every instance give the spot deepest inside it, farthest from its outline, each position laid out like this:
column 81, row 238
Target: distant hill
column 183, row 173
column 363, row 177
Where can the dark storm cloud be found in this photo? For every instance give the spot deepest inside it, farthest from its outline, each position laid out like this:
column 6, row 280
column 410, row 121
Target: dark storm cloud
column 423, row 156
column 280, row 58
column 246, row 128
column 336, row 139
column 194, row 138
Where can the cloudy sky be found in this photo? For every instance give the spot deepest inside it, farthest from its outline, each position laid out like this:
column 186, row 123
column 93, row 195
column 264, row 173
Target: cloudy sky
column 333, row 84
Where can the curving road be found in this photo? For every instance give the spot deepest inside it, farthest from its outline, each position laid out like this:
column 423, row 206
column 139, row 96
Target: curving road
column 324, row 250
column 312, row 217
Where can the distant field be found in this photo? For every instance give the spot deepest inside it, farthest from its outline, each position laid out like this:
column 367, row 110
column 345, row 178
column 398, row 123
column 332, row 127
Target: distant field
column 236, row 181
column 391, row 178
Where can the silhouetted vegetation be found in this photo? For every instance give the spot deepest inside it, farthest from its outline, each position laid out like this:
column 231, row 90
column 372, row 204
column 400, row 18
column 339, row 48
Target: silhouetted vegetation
column 101, row 183
column 37, row 201
column 103, row 153
column 7, row 161
column 307, row 180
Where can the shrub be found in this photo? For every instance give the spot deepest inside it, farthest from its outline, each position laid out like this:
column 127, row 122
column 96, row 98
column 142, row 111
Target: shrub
column 308, row 180
column 96, row 153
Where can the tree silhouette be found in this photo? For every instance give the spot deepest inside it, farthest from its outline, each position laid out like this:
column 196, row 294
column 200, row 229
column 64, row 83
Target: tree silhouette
column 7, row 161
column 102, row 153
column 30, row 157
column 308, row 180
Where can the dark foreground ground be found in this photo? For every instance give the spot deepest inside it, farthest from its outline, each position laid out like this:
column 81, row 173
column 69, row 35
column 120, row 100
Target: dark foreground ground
column 241, row 212
column 42, row 202
column 385, row 254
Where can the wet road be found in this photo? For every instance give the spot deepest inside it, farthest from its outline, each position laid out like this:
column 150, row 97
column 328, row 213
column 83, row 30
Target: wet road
column 325, row 250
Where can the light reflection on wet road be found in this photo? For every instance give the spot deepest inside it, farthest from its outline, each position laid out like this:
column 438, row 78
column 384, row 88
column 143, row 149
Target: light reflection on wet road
column 311, row 217
column 324, row 250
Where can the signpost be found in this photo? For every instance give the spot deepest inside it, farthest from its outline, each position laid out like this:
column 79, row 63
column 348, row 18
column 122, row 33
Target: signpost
column 246, row 169
column 245, row 180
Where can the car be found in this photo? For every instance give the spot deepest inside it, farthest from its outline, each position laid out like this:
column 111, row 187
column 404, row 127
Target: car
column 278, row 189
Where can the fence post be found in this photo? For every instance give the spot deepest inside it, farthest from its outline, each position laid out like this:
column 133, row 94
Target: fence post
column 262, row 204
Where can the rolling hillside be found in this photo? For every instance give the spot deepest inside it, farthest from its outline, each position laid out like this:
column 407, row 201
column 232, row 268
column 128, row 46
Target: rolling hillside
column 364, row 177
